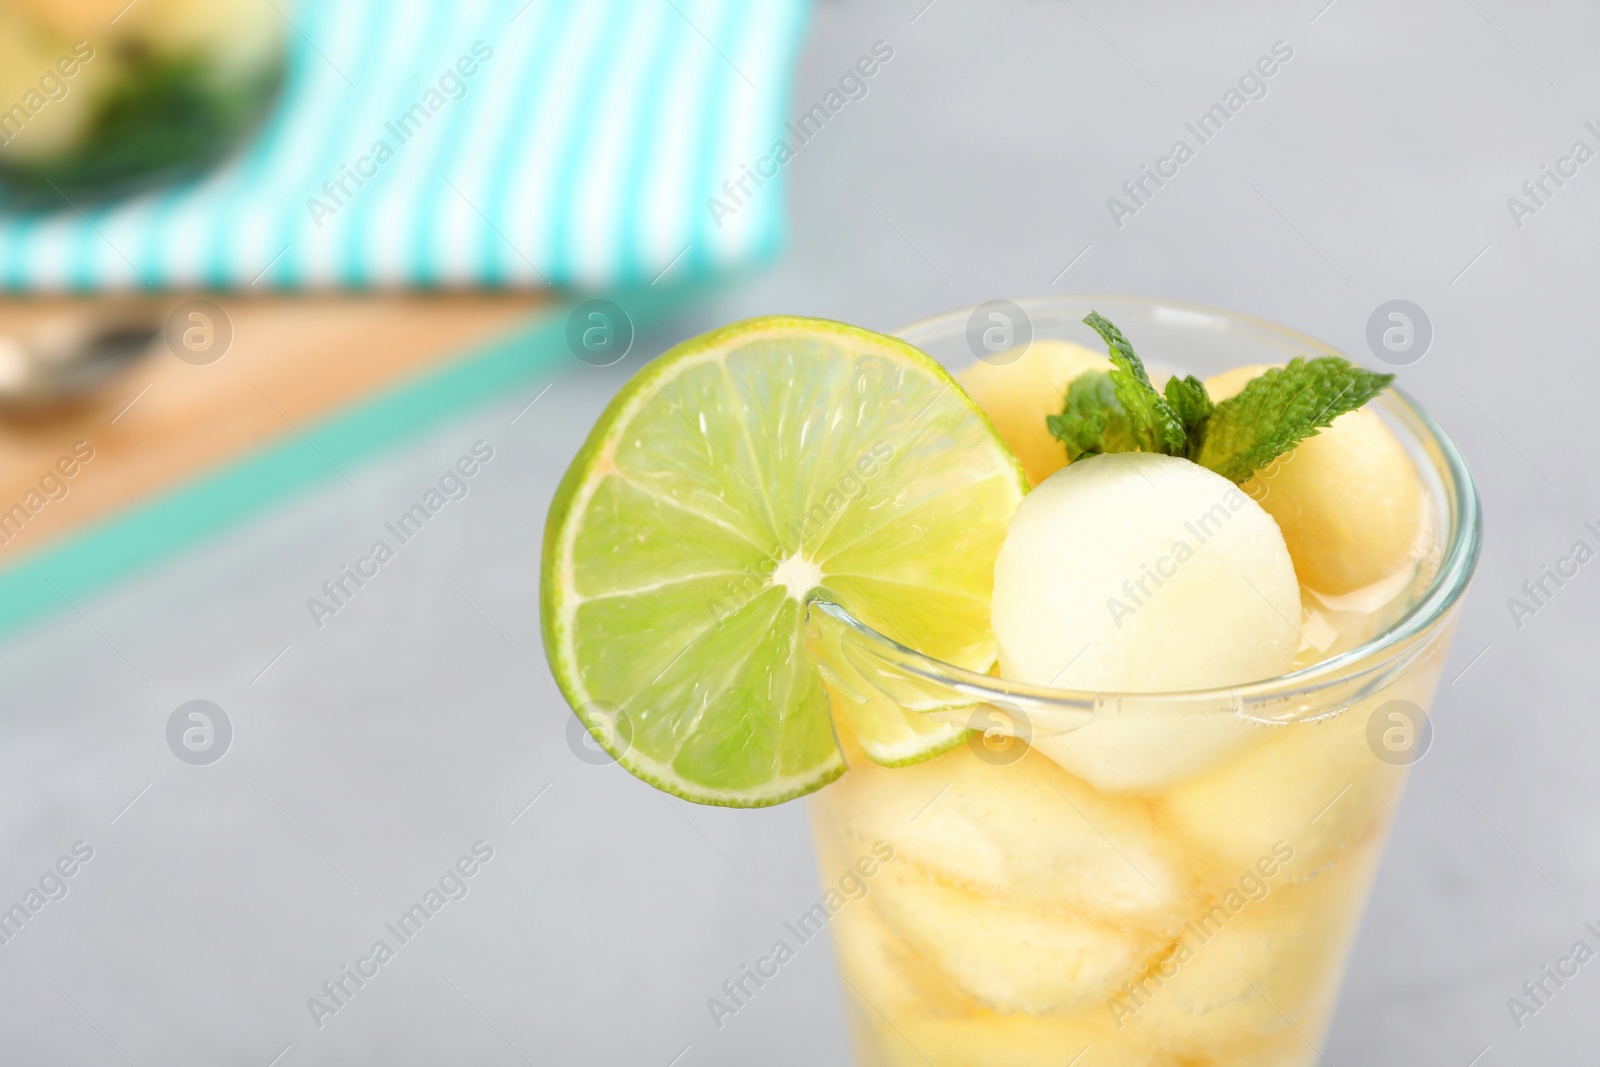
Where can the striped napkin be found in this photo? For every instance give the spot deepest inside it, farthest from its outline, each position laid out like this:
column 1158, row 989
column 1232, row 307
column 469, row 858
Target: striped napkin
column 467, row 143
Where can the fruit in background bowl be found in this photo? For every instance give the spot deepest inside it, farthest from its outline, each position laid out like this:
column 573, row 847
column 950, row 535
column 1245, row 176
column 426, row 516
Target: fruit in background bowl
column 91, row 107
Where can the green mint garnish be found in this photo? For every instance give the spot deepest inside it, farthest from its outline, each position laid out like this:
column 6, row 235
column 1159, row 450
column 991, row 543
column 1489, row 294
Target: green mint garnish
column 1279, row 409
column 1188, row 398
column 1121, row 411
column 1150, row 418
column 1091, row 420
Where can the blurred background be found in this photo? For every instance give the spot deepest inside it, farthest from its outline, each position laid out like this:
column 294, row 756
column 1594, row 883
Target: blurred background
column 271, row 271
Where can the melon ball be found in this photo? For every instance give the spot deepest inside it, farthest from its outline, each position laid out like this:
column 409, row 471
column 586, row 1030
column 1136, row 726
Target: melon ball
column 75, row 18
column 28, row 71
column 1349, row 501
column 1017, row 397
column 1009, row 956
column 1138, row 572
column 1020, row 831
column 1329, row 795
column 237, row 38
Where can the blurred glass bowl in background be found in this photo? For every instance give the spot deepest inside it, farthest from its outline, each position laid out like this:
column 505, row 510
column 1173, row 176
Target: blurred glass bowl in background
column 103, row 97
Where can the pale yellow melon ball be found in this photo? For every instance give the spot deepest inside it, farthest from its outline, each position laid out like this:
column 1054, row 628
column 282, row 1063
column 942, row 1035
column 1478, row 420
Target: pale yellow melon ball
column 1349, row 500
column 1136, row 572
column 1232, row 382
column 75, row 19
column 1018, row 396
column 236, row 37
column 223, row 33
column 25, row 53
column 55, row 110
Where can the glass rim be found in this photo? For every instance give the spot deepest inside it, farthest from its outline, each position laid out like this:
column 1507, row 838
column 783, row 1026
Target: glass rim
column 1443, row 593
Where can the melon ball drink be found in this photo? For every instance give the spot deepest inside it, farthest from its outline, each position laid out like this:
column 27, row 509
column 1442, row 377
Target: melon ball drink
column 1115, row 669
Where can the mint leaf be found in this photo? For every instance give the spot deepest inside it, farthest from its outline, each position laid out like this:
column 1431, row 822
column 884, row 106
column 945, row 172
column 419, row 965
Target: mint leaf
column 1279, row 409
column 1091, row 420
column 1155, row 426
column 1188, row 397
column 1121, row 411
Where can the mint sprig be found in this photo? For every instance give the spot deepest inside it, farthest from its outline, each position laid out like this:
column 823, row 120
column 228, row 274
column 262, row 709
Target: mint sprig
column 1150, row 418
column 1121, row 411
column 1091, row 419
column 1189, row 399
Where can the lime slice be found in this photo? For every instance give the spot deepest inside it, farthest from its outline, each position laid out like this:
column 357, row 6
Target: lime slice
column 731, row 481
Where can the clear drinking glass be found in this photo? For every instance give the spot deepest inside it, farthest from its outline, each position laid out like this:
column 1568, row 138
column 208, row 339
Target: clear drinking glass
column 1187, row 892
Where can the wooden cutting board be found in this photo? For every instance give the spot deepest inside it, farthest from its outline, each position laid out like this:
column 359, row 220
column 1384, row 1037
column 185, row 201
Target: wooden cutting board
column 292, row 363
column 309, row 389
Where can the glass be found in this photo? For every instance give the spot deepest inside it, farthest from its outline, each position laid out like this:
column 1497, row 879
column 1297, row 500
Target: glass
column 1189, row 895
column 99, row 98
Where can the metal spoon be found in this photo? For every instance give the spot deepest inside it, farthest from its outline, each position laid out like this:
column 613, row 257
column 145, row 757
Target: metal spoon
column 69, row 357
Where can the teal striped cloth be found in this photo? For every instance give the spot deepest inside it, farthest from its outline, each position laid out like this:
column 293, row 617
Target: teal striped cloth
column 433, row 143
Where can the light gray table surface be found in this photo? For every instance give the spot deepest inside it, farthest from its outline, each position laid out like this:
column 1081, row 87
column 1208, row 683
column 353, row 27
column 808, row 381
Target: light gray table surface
column 370, row 753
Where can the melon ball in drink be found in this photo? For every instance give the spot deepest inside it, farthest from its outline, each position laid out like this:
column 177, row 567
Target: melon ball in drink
column 1140, row 573
column 1136, row 572
column 1017, row 396
column 1020, row 828
column 1014, row 883
column 1349, row 501
column 1316, row 785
